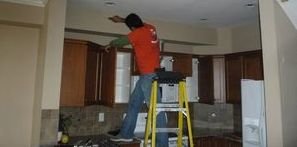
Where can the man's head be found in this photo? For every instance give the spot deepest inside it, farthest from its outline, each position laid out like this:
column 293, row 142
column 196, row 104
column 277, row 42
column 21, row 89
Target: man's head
column 133, row 21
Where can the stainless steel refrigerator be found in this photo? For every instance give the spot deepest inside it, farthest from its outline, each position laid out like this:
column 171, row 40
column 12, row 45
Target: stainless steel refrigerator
column 253, row 113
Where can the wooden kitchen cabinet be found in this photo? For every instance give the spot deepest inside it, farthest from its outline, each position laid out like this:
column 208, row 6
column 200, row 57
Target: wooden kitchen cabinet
column 115, row 77
column 211, row 79
column 203, row 141
column 205, row 80
column 80, row 82
column 108, row 77
column 182, row 63
column 234, row 74
column 245, row 65
column 253, row 66
column 214, row 141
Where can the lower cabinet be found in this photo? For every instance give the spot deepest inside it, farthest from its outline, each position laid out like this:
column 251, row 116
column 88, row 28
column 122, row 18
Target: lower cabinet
column 213, row 141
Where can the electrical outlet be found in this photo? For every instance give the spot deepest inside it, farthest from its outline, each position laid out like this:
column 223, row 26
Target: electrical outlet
column 101, row 117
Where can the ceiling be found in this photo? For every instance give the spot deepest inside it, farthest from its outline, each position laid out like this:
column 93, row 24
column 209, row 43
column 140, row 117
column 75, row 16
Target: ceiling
column 212, row 13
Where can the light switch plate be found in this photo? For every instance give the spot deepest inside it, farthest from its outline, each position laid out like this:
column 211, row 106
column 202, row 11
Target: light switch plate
column 101, row 117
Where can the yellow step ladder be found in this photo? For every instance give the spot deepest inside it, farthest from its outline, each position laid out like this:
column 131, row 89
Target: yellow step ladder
column 182, row 107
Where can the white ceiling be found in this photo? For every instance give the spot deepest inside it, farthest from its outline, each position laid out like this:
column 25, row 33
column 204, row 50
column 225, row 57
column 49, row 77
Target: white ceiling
column 219, row 13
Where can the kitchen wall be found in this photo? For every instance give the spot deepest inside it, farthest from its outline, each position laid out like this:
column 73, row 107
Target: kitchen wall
column 279, row 53
column 18, row 60
column 31, row 47
column 246, row 37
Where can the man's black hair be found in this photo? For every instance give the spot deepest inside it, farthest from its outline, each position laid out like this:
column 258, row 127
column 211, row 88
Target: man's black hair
column 133, row 20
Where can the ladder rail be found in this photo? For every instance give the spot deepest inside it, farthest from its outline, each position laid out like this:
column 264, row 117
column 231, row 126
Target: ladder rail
column 182, row 108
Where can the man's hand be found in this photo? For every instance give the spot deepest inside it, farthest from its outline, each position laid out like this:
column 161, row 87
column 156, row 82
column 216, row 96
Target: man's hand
column 117, row 19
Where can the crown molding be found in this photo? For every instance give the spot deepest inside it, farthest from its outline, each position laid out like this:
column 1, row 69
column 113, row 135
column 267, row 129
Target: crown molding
column 39, row 3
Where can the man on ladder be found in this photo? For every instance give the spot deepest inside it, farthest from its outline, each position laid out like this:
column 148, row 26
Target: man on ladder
column 143, row 38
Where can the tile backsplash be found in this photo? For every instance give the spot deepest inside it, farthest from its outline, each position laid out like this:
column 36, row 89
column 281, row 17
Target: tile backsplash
column 217, row 116
column 85, row 119
column 49, row 127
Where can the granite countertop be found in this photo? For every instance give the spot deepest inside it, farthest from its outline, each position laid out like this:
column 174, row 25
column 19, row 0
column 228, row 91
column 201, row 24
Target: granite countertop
column 100, row 140
column 224, row 133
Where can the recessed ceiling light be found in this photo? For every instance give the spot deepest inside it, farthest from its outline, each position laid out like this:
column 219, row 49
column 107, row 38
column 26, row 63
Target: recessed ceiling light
column 203, row 19
column 109, row 3
column 250, row 5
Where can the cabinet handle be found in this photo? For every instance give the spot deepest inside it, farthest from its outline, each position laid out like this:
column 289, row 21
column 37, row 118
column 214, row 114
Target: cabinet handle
column 171, row 60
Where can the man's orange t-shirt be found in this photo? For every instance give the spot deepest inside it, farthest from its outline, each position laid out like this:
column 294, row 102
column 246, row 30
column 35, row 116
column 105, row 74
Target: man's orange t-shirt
column 146, row 47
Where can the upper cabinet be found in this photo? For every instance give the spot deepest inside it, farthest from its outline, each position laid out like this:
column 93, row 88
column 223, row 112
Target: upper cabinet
column 211, row 79
column 245, row 65
column 115, row 77
column 90, row 75
column 80, row 76
column 253, row 66
column 108, row 77
column 205, row 80
column 182, row 63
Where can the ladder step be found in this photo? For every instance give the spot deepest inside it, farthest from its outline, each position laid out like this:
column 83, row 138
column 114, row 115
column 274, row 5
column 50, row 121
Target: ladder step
column 164, row 130
column 171, row 109
column 169, row 105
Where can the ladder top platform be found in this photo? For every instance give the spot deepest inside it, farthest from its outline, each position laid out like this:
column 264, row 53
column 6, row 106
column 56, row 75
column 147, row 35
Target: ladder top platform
column 169, row 77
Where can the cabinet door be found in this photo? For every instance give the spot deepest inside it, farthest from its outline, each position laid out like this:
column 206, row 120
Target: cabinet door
column 73, row 74
column 253, row 66
column 219, row 79
column 92, row 80
column 183, row 63
column 205, row 80
column 108, row 77
column 122, row 77
column 192, row 82
column 79, row 82
column 234, row 74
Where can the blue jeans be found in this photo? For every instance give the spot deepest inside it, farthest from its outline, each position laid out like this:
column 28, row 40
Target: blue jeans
column 142, row 92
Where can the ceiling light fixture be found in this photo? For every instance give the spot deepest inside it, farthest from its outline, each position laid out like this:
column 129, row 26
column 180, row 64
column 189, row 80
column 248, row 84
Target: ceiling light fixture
column 250, row 5
column 203, row 19
column 109, row 3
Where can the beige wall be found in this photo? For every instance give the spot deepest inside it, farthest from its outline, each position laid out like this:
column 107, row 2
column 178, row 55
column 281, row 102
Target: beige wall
column 279, row 55
column 18, row 61
column 223, row 46
column 287, row 53
column 94, row 20
column 53, row 45
column 32, row 49
column 246, row 38
column 24, row 14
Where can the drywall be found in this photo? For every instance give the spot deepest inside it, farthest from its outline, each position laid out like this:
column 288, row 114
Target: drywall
column 223, row 46
column 22, row 14
column 287, row 53
column 18, row 61
column 53, row 41
column 94, row 20
column 246, row 38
